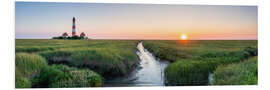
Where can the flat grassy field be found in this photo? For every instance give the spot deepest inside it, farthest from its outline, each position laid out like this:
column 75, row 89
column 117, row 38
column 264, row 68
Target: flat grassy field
column 242, row 73
column 87, row 63
column 193, row 61
column 100, row 59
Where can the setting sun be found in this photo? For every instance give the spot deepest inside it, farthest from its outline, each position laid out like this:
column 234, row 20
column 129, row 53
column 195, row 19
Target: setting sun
column 183, row 37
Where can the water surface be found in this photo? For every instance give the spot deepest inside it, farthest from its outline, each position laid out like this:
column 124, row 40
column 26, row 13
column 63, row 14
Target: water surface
column 150, row 71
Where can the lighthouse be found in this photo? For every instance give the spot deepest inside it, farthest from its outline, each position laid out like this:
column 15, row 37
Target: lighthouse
column 73, row 34
column 73, row 27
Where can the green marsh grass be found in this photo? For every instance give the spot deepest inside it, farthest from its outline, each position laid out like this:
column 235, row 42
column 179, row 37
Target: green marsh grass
column 31, row 70
column 242, row 73
column 27, row 66
column 192, row 61
column 56, row 76
column 107, row 58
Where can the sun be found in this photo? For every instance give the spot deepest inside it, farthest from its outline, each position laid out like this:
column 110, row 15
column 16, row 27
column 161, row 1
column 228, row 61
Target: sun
column 183, row 37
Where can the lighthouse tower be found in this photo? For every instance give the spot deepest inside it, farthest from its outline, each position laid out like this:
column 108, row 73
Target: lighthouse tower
column 73, row 27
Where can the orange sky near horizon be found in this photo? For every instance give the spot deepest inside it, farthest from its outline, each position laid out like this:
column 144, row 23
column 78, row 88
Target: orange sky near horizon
column 136, row 21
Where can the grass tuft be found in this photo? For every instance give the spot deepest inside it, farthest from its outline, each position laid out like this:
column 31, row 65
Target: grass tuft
column 27, row 66
column 242, row 73
column 56, row 76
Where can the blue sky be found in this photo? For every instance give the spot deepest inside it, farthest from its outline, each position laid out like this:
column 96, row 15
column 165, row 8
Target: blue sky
column 135, row 21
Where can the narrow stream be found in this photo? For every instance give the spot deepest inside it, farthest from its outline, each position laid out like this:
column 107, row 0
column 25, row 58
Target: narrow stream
column 150, row 71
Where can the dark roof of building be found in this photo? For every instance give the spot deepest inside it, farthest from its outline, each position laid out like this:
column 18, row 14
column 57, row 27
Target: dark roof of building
column 65, row 34
column 82, row 34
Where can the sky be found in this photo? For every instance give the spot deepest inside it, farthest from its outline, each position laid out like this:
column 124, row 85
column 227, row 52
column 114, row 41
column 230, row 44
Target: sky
column 43, row 20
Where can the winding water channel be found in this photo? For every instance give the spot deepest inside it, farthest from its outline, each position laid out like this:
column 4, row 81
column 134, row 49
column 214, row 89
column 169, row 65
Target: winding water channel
column 150, row 71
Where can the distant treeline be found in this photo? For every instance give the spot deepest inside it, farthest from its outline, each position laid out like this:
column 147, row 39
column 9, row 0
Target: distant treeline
column 70, row 37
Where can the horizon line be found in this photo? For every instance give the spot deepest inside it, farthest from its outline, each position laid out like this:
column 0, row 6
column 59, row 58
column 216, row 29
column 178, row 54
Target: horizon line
column 138, row 39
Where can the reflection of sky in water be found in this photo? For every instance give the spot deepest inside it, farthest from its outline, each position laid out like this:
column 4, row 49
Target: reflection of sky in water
column 150, row 71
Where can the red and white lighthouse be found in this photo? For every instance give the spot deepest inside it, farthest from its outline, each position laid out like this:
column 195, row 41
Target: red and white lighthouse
column 73, row 27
